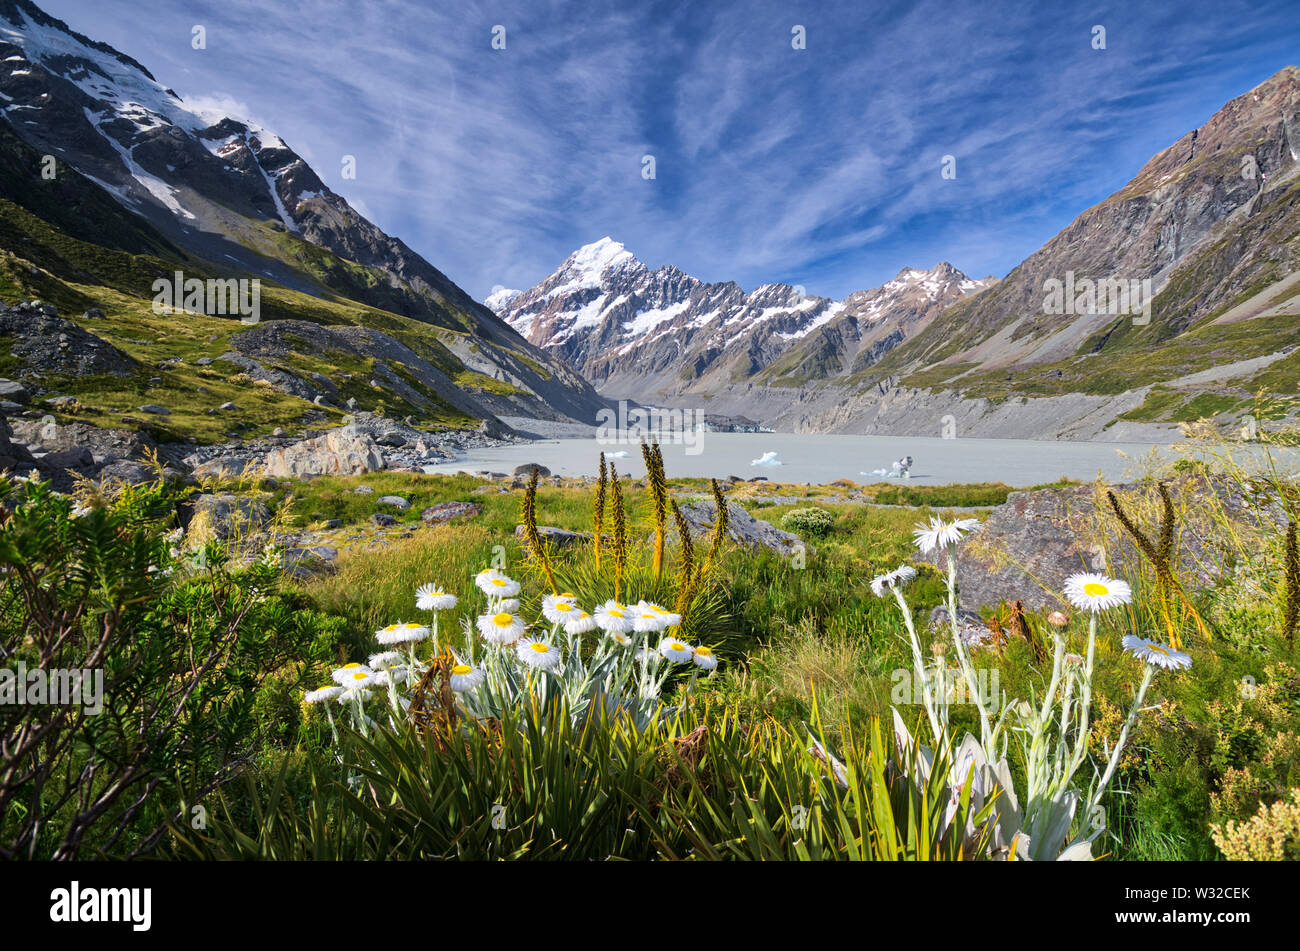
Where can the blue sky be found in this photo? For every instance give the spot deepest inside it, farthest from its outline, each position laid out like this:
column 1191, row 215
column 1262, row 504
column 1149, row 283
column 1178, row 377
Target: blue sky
column 819, row 167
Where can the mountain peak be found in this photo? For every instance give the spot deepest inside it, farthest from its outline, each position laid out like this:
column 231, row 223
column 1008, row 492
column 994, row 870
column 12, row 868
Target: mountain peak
column 599, row 256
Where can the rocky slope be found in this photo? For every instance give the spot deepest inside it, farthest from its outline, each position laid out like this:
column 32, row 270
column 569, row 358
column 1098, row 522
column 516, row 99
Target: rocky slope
column 240, row 202
column 662, row 334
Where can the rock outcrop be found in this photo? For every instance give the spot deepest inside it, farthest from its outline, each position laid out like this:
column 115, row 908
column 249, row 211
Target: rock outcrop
column 344, row 451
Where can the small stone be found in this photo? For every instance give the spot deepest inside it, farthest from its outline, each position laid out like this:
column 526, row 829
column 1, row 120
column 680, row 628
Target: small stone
column 227, row 406
column 363, row 490
column 155, row 409
column 446, row 511
column 382, row 520
column 396, row 501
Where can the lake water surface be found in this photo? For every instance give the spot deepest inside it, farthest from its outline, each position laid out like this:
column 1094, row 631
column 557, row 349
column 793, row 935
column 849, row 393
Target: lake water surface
column 825, row 458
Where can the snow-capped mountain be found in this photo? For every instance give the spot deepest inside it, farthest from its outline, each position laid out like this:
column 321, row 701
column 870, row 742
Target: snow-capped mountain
column 238, row 197
column 634, row 331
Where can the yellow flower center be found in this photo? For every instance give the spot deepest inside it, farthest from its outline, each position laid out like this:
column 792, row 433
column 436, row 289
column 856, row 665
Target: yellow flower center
column 1094, row 590
column 360, row 675
column 563, row 606
column 350, row 666
column 499, row 582
column 677, row 647
column 1159, row 647
column 616, row 613
column 539, row 647
column 704, row 652
column 461, row 669
column 504, row 619
column 568, row 594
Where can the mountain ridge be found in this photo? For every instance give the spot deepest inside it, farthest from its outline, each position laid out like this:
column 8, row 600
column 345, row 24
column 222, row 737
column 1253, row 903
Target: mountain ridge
column 236, row 197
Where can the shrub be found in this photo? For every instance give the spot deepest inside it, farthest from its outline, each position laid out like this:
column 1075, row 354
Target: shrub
column 808, row 521
column 187, row 663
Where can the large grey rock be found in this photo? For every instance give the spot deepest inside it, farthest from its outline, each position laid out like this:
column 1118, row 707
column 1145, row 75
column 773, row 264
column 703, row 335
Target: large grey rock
column 342, row 451
column 553, row 537
column 12, row 455
column 527, row 469
column 742, row 528
column 394, row 501
column 126, row 472
column 1035, row 540
column 227, row 516
column 14, row 392
column 222, row 467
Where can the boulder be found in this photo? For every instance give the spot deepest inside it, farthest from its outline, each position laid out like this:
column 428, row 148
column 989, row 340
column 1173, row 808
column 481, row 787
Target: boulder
column 742, row 528
column 382, row 520
column 126, row 472
column 155, row 409
column 395, row 501
column 81, row 458
column 1035, row 540
column 12, row 455
column 553, row 537
column 342, row 451
column 13, row 392
column 446, row 511
column 222, row 467
column 225, row 516
column 527, row 468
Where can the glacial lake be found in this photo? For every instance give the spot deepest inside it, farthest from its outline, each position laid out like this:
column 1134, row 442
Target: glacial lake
column 820, row 459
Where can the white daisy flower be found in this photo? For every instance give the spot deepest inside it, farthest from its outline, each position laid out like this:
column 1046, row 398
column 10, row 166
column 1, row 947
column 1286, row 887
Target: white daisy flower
column 465, row 678
column 705, row 658
column 538, row 654
column 385, row 660
column 671, row 618
column 647, row 621
column 941, row 534
column 1155, row 654
column 622, row 640
column 508, row 604
column 675, row 651
column 614, row 619
column 559, row 609
column 354, row 694
column 897, row 578
column 1096, row 593
column 344, row 673
column 358, row 679
column 501, row 627
column 580, row 623
column 496, row 584
column 323, row 694
column 396, row 675
column 431, row 597
column 402, row 633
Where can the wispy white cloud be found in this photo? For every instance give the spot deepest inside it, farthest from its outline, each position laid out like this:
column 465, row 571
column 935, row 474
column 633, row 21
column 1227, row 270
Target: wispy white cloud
column 818, row 166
